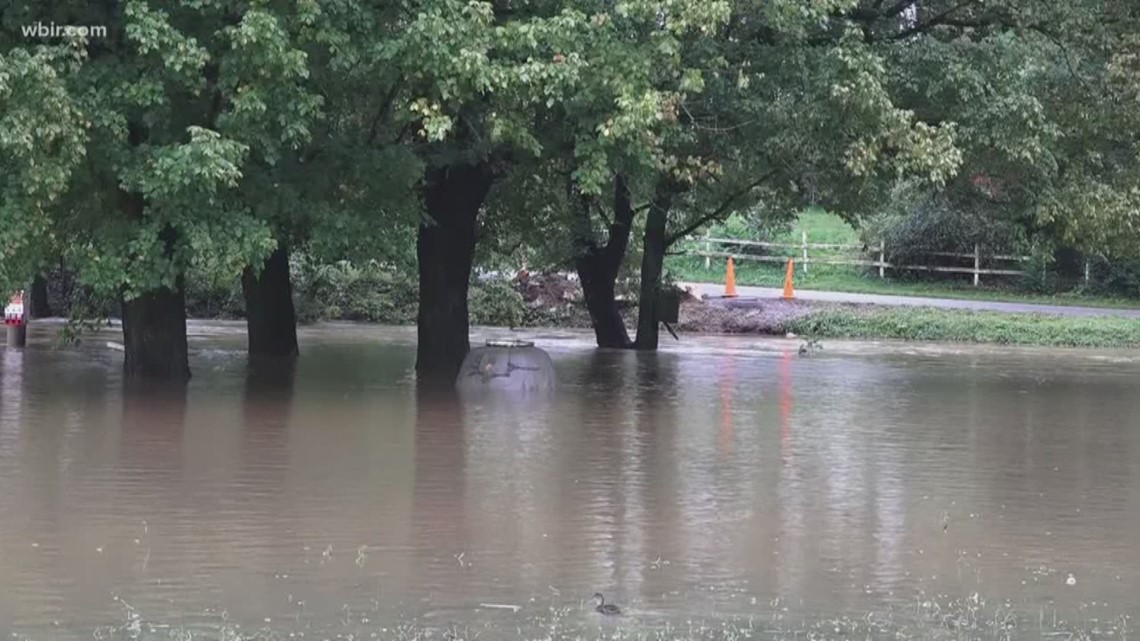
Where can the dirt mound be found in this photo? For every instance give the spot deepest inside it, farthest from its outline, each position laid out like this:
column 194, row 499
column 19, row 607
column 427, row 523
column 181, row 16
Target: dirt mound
column 543, row 290
column 557, row 298
column 771, row 317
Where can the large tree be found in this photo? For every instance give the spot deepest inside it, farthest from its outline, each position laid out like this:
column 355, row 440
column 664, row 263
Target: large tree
column 333, row 172
column 732, row 106
column 151, row 166
column 187, row 141
column 1042, row 97
column 42, row 133
column 480, row 82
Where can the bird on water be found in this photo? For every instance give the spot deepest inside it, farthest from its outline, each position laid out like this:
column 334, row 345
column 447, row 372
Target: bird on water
column 602, row 607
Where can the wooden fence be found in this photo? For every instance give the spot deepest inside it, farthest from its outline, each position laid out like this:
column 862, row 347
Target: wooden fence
column 875, row 257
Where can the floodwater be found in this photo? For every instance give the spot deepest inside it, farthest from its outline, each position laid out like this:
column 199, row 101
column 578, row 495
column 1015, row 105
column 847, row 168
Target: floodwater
column 723, row 488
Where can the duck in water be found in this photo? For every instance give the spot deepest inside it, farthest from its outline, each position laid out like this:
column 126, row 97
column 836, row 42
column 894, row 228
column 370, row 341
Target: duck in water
column 602, row 607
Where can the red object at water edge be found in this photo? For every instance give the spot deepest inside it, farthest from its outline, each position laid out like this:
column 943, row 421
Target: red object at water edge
column 730, row 280
column 14, row 312
column 789, row 291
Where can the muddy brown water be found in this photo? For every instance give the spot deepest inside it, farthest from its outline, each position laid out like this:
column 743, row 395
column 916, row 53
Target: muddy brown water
column 723, row 488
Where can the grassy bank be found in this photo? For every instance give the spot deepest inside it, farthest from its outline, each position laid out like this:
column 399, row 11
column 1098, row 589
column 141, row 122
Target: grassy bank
column 838, row 279
column 823, row 227
column 940, row 325
column 384, row 294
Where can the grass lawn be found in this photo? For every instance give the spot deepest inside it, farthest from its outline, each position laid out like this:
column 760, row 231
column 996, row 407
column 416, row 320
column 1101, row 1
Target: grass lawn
column 941, row 325
column 823, row 227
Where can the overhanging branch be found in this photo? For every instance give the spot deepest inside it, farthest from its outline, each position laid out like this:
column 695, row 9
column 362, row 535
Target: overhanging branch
column 719, row 211
column 385, row 109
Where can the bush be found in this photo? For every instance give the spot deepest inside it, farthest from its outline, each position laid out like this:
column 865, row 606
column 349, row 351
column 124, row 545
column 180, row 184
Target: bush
column 1114, row 278
column 210, row 298
column 381, row 293
column 917, row 224
column 1039, row 278
column 343, row 291
column 496, row 302
column 373, row 292
column 68, row 297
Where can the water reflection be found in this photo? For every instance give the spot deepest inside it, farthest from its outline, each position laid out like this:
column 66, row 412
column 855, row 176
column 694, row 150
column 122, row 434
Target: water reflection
column 440, row 528
column 11, row 398
column 266, row 411
column 152, row 429
column 712, row 481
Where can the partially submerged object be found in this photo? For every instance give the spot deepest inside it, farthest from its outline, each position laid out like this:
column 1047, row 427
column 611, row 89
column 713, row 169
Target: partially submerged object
column 810, row 347
column 507, row 365
column 602, row 607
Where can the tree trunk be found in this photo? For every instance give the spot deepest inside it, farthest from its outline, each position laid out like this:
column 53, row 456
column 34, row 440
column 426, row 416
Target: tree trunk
column 598, row 286
column 154, row 335
column 445, row 248
column 154, row 324
column 39, row 308
column 270, row 381
column 271, row 320
column 652, row 265
column 598, row 269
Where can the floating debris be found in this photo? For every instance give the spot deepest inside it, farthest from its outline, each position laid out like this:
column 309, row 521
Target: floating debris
column 501, row 606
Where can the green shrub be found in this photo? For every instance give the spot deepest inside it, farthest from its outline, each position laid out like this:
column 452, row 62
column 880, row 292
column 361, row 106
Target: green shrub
column 370, row 291
column 918, row 224
column 496, row 302
column 1039, row 278
column 941, row 325
column 210, row 298
column 1114, row 278
column 343, row 291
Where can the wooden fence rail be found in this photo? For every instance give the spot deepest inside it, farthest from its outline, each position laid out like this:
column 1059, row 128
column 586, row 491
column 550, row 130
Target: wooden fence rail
column 801, row 252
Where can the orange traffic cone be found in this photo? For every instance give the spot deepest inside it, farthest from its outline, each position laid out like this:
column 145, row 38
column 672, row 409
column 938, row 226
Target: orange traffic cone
column 789, row 291
column 730, row 280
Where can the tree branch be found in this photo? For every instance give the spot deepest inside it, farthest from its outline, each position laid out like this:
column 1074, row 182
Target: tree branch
column 719, row 211
column 1057, row 42
column 872, row 15
column 384, row 110
column 619, row 228
column 943, row 18
column 583, row 229
column 597, row 207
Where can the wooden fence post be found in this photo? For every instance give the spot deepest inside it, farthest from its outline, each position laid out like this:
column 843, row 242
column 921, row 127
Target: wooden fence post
column 882, row 258
column 1086, row 272
column 708, row 248
column 803, row 242
column 977, row 264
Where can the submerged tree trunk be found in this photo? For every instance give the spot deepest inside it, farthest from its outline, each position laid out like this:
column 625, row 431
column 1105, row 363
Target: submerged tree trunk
column 154, row 335
column 154, row 324
column 598, row 269
column 445, row 248
column 271, row 320
column 39, row 308
column 270, row 382
column 652, row 265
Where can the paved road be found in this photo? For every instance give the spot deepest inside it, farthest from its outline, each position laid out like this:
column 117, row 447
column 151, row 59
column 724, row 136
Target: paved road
column 712, row 290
